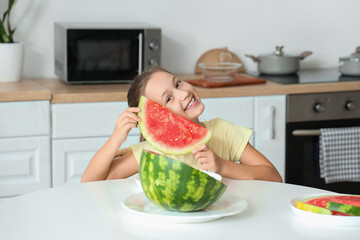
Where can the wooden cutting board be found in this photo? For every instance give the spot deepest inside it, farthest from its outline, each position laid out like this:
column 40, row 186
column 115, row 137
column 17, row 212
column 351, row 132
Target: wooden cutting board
column 240, row 79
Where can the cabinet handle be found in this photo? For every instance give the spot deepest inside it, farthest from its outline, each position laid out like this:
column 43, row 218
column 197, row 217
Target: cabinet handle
column 140, row 52
column 272, row 122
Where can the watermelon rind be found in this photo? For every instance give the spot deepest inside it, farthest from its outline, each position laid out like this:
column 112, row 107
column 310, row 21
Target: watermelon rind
column 312, row 208
column 181, row 130
column 175, row 186
column 344, row 208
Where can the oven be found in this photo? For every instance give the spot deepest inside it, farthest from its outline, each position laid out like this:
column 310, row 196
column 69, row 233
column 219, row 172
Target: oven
column 306, row 115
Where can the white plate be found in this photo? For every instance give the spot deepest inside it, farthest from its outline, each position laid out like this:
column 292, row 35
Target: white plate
column 317, row 218
column 227, row 205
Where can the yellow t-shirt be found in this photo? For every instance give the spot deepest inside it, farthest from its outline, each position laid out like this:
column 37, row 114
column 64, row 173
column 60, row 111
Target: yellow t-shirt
column 228, row 141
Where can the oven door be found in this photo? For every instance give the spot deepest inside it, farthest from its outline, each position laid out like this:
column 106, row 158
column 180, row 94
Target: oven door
column 302, row 155
column 103, row 55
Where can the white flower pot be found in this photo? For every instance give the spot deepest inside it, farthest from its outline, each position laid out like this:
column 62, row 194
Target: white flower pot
column 11, row 61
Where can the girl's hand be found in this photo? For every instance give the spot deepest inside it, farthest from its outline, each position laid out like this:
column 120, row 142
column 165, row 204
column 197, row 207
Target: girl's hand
column 125, row 122
column 207, row 158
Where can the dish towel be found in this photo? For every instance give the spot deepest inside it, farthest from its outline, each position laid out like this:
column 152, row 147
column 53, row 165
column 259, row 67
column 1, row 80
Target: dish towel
column 339, row 154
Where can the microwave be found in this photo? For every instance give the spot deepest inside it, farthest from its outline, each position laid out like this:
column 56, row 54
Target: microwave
column 103, row 52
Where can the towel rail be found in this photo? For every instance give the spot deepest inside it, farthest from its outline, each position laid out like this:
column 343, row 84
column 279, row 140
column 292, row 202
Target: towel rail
column 306, row 132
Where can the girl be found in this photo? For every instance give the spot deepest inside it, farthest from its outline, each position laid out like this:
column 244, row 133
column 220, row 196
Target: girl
column 228, row 145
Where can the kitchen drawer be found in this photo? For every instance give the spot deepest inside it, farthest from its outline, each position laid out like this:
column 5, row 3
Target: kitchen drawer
column 28, row 118
column 24, row 165
column 71, row 156
column 74, row 120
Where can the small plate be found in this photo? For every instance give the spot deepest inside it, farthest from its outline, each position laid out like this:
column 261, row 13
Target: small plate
column 227, row 205
column 317, row 218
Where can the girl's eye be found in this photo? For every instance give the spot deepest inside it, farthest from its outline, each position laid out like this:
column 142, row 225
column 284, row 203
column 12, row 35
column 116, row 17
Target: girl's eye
column 168, row 98
column 178, row 83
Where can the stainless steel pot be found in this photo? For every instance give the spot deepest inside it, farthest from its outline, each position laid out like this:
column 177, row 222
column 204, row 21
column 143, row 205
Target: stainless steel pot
column 350, row 65
column 279, row 63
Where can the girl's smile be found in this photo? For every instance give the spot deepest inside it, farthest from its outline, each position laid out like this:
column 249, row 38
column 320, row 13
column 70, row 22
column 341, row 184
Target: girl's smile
column 191, row 104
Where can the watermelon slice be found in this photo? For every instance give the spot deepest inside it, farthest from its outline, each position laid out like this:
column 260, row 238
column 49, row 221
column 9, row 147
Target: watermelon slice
column 322, row 201
column 312, row 208
column 341, row 205
column 167, row 132
column 344, row 208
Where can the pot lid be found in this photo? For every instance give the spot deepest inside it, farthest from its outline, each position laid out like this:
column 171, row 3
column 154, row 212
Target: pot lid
column 278, row 53
column 354, row 56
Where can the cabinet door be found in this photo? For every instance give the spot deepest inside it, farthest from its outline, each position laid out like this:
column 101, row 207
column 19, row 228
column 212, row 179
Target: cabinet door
column 24, row 165
column 75, row 120
column 270, row 129
column 70, row 157
column 239, row 110
column 22, row 119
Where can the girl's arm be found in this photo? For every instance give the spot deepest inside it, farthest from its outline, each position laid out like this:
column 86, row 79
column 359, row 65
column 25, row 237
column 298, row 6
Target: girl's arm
column 123, row 167
column 253, row 165
column 100, row 165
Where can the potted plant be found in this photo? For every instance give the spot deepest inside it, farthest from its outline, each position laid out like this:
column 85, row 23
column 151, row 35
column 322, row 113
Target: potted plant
column 11, row 52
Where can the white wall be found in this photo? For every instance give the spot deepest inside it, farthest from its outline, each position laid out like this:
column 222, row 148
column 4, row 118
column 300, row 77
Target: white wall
column 329, row 28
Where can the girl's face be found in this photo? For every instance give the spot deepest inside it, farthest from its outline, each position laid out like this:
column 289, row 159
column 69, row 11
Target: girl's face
column 179, row 97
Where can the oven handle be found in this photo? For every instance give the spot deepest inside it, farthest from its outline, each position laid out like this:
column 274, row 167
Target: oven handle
column 306, row 132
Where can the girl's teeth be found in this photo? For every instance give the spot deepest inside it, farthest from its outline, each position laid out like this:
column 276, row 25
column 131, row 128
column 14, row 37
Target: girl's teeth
column 190, row 104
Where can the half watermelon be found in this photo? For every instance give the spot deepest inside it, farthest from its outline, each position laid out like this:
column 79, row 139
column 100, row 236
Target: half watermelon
column 167, row 132
column 175, row 186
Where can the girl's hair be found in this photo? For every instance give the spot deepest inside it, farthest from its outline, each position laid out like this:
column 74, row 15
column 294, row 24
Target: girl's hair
column 138, row 85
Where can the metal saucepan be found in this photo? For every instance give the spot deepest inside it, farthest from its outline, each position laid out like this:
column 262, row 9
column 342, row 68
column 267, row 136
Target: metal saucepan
column 350, row 65
column 279, row 63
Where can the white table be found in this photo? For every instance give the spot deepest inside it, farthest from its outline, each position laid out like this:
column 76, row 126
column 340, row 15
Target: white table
column 94, row 211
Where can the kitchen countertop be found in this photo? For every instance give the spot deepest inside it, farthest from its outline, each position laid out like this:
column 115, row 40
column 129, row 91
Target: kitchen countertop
column 24, row 90
column 59, row 92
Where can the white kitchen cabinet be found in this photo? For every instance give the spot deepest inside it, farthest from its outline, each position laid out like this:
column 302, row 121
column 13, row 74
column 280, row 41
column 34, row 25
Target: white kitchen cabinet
column 79, row 130
column 71, row 157
column 238, row 110
column 78, row 120
column 25, row 163
column 269, row 129
column 27, row 118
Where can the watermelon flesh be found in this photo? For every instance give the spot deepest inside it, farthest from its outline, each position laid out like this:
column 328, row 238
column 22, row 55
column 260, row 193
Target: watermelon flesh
column 167, row 132
column 175, row 186
column 346, row 199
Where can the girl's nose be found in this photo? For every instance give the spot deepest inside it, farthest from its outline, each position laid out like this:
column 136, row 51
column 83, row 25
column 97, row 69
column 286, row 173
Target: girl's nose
column 182, row 94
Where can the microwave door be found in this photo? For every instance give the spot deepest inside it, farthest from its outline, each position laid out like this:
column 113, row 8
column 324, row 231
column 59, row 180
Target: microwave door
column 105, row 55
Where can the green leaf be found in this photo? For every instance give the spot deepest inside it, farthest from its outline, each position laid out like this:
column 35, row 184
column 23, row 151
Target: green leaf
column 3, row 35
column 11, row 35
column 11, row 3
column 6, row 32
